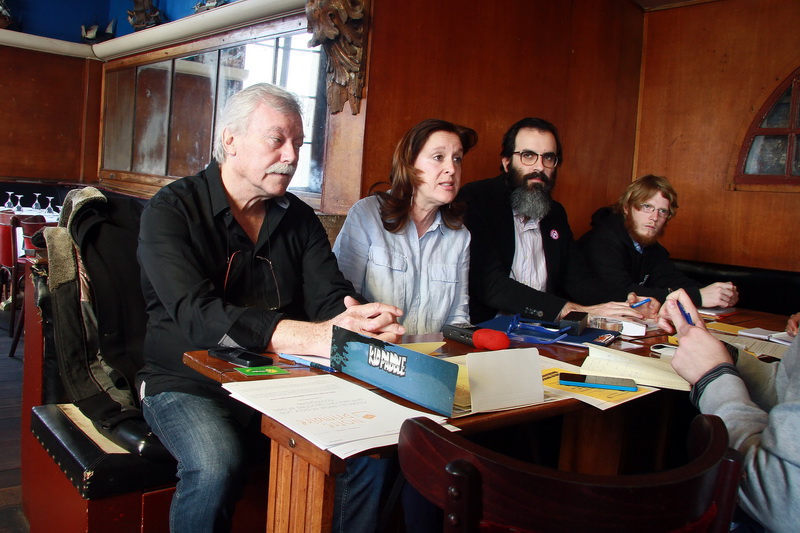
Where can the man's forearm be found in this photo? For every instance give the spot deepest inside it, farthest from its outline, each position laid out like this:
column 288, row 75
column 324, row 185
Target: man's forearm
column 301, row 338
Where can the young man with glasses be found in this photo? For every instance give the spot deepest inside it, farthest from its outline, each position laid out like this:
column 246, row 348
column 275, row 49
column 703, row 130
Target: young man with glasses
column 623, row 249
column 523, row 258
column 231, row 260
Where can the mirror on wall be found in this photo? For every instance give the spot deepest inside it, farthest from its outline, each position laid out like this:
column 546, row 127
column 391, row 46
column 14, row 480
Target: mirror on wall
column 151, row 113
column 192, row 113
column 159, row 117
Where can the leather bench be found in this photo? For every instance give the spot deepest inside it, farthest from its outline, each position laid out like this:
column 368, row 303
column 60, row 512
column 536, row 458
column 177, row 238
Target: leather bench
column 760, row 289
column 85, row 482
column 77, row 480
column 95, row 466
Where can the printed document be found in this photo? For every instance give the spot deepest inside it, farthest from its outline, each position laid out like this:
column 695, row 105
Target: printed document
column 332, row 413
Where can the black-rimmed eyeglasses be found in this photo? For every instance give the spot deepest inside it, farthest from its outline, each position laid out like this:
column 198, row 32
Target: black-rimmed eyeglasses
column 528, row 158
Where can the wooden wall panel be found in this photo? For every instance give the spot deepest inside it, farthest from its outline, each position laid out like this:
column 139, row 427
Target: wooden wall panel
column 707, row 69
column 481, row 64
column 601, row 104
column 488, row 64
column 44, row 108
column 92, row 105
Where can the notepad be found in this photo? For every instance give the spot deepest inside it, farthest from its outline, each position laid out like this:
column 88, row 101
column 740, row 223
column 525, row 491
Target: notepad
column 604, row 361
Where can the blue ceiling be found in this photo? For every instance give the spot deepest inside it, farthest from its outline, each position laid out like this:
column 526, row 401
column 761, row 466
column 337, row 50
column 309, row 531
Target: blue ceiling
column 63, row 20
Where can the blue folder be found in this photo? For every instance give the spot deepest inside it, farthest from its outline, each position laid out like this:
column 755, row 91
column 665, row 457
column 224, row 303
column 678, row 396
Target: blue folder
column 418, row 377
column 601, row 337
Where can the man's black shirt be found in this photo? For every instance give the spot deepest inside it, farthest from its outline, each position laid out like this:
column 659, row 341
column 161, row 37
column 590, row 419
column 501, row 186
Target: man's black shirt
column 207, row 285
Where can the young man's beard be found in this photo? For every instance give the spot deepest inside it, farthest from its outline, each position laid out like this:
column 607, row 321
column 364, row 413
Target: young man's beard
column 532, row 201
column 643, row 240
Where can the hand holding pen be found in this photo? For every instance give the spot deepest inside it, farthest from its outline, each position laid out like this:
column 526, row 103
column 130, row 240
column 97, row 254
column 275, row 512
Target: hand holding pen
column 685, row 314
column 698, row 351
column 678, row 311
column 648, row 307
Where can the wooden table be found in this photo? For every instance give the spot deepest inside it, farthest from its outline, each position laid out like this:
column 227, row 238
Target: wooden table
column 302, row 476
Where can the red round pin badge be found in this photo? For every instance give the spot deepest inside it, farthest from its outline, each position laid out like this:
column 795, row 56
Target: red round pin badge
column 554, row 234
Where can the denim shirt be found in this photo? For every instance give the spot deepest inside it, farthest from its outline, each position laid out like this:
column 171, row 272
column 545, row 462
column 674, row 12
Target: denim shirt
column 424, row 276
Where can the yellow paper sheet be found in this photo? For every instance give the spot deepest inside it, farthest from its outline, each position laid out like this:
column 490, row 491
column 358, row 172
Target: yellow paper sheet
column 423, row 347
column 732, row 329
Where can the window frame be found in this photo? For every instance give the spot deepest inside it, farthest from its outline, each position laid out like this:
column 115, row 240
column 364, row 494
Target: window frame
column 786, row 182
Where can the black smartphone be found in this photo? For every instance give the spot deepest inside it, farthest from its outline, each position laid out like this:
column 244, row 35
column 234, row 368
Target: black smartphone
column 599, row 382
column 462, row 334
column 240, row 357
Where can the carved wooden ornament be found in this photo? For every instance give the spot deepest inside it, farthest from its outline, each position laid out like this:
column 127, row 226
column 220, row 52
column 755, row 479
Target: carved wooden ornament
column 339, row 26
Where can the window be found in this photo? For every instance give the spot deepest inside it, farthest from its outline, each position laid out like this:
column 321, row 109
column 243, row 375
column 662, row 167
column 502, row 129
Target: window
column 770, row 157
column 159, row 114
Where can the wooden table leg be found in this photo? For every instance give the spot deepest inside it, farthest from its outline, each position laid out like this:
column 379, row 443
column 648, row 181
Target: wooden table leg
column 302, row 482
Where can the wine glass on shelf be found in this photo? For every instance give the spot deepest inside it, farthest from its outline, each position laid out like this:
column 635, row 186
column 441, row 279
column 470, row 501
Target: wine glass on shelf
column 36, row 205
column 49, row 210
column 18, row 207
column 9, row 203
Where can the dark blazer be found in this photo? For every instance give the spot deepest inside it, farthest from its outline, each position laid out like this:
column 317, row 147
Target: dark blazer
column 489, row 218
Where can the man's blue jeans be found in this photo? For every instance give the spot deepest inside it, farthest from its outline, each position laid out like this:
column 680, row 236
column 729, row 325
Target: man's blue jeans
column 214, row 448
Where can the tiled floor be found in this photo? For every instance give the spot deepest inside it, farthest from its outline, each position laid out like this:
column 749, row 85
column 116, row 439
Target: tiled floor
column 11, row 518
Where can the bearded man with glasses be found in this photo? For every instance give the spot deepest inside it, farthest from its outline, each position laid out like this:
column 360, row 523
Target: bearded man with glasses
column 523, row 258
column 623, row 249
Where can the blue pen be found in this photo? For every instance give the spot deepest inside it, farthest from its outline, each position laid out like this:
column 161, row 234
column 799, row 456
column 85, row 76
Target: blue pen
column 685, row 314
column 639, row 304
column 306, row 362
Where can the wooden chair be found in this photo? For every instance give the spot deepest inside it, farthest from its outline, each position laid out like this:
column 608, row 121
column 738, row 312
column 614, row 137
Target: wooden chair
column 480, row 490
column 7, row 254
column 14, row 266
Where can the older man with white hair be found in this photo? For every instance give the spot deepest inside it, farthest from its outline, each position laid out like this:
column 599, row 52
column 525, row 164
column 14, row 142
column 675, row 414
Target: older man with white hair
column 231, row 260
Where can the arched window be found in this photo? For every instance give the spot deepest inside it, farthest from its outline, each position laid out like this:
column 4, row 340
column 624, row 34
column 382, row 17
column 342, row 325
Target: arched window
column 770, row 155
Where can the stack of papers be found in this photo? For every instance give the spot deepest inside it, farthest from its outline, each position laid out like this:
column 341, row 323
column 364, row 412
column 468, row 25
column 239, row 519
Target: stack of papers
column 332, row 413
column 781, row 337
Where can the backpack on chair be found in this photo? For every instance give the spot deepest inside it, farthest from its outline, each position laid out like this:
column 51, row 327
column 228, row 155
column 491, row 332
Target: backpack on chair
column 98, row 314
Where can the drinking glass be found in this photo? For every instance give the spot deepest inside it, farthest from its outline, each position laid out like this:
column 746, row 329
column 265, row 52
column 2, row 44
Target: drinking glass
column 36, row 205
column 18, row 207
column 9, row 203
column 49, row 209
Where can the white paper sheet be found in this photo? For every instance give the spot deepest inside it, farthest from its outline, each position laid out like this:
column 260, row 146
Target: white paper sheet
column 332, row 413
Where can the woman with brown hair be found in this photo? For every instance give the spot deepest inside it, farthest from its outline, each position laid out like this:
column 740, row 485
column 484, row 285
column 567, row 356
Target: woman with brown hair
column 407, row 247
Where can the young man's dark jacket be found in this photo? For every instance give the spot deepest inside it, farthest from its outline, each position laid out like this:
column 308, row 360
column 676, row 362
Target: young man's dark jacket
column 490, row 220
column 610, row 252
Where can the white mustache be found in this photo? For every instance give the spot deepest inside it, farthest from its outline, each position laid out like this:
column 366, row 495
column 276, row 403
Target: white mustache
column 282, row 168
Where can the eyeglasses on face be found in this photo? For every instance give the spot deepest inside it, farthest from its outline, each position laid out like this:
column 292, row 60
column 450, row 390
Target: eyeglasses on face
column 647, row 208
column 528, row 158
